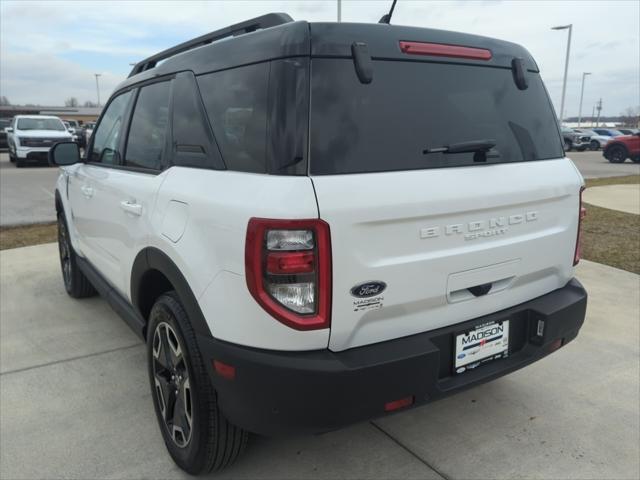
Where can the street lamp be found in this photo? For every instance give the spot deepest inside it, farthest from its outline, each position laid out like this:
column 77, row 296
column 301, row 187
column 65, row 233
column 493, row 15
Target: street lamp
column 98, row 86
column 584, row 74
column 566, row 66
column 339, row 11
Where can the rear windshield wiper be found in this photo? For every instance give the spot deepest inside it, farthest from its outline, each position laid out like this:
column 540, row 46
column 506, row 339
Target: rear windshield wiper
column 474, row 146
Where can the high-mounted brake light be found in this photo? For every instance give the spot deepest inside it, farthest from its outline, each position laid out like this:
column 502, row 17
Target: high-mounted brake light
column 581, row 215
column 443, row 50
column 288, row 270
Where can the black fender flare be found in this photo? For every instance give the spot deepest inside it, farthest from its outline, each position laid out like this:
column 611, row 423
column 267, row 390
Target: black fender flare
column 152, row 258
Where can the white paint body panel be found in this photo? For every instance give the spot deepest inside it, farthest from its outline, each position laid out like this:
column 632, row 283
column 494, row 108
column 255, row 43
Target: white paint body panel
column 210, row 252
column 402, row 228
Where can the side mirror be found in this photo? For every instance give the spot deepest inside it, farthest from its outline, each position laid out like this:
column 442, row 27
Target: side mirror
column 8, row 129
column 64, row 153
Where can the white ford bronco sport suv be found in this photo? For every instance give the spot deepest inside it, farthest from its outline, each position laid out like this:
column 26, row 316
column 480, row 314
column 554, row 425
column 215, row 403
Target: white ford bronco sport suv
column 314, row 224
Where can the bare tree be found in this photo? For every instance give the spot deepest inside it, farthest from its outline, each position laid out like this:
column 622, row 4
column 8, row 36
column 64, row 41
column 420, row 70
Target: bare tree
column 89, row 103
column 4, row 101
column 631, row 116
column 71, row 102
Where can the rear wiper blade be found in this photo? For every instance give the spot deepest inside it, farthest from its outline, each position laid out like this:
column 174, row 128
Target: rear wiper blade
column 464, row 147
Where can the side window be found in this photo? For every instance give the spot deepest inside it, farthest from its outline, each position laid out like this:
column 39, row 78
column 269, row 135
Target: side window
column 148, row 130
column 105, row 144
column 236, row 103
column 193, row 143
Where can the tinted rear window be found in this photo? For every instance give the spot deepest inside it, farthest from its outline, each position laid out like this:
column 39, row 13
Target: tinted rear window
column 410, row 107
column 236, row 103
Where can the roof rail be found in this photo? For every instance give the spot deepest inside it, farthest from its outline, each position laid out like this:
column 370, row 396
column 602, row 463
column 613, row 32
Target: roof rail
column 265, row 21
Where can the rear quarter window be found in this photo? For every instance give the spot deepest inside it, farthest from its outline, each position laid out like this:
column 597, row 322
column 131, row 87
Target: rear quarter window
column 236, row 104
column 413, row 106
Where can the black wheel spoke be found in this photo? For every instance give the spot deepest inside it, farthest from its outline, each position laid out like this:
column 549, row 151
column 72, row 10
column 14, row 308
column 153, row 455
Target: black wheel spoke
column 172, row 384
column 163, row 394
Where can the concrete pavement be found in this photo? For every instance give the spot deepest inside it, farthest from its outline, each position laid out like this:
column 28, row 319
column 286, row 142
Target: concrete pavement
column 75, row 400
column 26, row 194
column 625, row 198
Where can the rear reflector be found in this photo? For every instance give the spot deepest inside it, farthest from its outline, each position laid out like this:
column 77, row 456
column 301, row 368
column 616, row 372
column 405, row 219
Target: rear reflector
column 442, row 50
column 224, row 370
column 555, row 345
column 398, row 404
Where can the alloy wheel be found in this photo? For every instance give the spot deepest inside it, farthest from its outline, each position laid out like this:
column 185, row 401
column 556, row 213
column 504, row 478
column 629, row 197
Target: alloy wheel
column 65, row 251
column 172, row 384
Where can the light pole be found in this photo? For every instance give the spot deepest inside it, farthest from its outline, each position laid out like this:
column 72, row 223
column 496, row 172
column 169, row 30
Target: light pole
column 566, row 66
column 584, row 74
column 339, row 11
column 98, row 86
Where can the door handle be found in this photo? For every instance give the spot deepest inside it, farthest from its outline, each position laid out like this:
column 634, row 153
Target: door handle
column 87, row 191
column 131, row 207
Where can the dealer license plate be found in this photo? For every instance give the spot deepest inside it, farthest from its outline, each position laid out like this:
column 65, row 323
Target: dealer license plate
column 482, row 344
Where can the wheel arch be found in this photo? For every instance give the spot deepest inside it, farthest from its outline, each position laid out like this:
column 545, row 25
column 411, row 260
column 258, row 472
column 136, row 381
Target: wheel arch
column 154, row 273
column 58, row 202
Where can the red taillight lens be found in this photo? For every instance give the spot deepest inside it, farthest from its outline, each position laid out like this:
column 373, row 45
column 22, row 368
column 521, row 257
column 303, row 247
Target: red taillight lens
column 582, row 214
column 291, row 262
column 288, row 270
column 442, row 50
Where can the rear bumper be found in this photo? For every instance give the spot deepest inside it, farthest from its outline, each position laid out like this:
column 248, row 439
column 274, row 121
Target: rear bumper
column 285, row 392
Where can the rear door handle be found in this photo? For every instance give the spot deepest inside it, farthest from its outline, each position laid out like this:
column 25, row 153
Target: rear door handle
column 131, row 207
column 87, row 191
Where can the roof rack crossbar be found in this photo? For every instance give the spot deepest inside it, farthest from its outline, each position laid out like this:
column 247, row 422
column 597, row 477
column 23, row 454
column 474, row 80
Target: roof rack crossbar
column 265, row 21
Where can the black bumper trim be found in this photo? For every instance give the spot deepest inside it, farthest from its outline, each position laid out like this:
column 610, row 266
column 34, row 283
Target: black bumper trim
column 278, row 392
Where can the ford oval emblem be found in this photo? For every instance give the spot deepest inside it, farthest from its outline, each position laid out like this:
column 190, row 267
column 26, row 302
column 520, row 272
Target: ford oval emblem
column 368, row 289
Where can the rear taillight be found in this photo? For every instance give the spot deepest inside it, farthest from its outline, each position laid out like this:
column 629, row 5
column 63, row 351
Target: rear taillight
column 443, row 50
column 582, row 214
column 288, row 270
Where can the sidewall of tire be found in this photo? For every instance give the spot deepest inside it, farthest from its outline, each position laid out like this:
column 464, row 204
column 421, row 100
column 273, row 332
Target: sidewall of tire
column 191, row 458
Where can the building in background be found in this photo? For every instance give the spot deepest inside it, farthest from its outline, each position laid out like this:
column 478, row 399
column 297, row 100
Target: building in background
column 81, row 114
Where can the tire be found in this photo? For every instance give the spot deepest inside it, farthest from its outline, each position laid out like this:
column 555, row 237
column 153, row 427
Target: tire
column 594, row 145
column 75, row 282
column 567, row 145
column 636, row 159
column 12, row 159
column 20, row 163
column 180, row 383
column 617, row 154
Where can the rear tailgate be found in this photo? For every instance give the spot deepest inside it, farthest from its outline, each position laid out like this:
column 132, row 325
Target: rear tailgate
column 431, row 225
column 430, row 235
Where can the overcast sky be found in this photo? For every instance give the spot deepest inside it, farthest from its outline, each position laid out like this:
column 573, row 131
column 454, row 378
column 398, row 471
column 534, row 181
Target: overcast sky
column 50, row 50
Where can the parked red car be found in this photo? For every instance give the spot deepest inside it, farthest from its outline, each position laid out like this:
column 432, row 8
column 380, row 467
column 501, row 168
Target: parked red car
column 618, row 149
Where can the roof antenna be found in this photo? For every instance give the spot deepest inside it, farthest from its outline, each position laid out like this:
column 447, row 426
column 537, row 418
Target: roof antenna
column 386, row 18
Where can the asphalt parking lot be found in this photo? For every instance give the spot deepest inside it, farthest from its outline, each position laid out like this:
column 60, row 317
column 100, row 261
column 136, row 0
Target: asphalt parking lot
column 26, row 194
column 75, row 400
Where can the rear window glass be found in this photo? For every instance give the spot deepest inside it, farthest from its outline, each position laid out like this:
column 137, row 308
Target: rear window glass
column 148, row 130
column 410, row 107
column 40, row 124
column 236, row 103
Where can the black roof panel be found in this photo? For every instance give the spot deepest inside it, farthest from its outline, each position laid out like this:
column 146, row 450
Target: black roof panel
column 327, row 40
